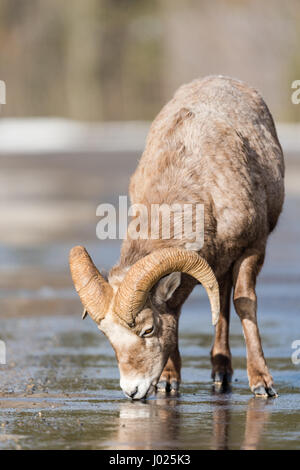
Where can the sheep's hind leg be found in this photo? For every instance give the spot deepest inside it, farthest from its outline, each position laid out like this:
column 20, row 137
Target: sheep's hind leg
column 220, row 352
column 170, row 377
column 245, row 302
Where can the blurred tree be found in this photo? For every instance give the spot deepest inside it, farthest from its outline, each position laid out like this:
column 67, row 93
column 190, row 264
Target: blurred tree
column 122, row 59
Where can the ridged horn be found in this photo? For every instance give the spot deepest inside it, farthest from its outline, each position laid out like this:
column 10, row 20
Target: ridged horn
column 145, row 273
column 94, row 291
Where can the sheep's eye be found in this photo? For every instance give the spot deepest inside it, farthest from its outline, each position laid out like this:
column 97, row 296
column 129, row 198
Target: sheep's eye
column 148, row 332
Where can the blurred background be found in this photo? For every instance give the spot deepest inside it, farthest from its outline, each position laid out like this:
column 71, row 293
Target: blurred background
column 109, row 60
column 84, row 79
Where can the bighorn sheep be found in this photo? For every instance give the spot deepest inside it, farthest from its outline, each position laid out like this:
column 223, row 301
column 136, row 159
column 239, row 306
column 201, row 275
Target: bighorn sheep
column 214, row 143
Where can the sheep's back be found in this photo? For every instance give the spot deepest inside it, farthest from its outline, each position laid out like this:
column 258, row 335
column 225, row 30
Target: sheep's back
column 215, row 142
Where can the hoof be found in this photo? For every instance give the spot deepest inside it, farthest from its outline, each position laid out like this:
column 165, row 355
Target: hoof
column 222, row 378
column 166, row 387
column 174, row 386
column 222, row 382
column 162, row 386
column 264, row 392
column 272, row 392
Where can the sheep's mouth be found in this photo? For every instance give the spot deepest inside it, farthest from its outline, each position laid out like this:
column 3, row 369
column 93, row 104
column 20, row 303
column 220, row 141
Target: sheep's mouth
column 149, row 392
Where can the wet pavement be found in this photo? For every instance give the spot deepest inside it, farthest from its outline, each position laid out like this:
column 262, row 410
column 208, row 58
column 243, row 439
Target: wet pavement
column 60, row 386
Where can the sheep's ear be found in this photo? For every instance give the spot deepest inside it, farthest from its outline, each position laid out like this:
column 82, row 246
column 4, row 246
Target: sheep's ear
column 166, row 287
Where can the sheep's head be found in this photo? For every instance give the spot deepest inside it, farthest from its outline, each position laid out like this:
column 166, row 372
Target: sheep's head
column 135, row 318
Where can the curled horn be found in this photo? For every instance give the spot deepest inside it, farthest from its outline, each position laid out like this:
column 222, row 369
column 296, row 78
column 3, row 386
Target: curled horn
column 94, row 291
column 145, row 273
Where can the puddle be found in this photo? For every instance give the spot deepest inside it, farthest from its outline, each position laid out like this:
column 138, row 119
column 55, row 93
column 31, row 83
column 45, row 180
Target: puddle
column 60, row 389
column 60, row 386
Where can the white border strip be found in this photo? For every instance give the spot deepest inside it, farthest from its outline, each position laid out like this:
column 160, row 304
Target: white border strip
column 52, row 135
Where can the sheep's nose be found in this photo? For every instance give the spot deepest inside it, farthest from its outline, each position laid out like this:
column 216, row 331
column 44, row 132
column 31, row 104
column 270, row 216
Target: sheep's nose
column 136, row 390
column 132, row 394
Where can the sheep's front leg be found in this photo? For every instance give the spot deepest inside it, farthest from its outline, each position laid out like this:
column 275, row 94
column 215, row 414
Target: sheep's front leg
column 220, row 352
column 244, row 279
column 170, row 377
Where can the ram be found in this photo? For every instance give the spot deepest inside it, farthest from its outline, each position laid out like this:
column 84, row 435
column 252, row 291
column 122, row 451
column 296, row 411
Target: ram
column 214, row 144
